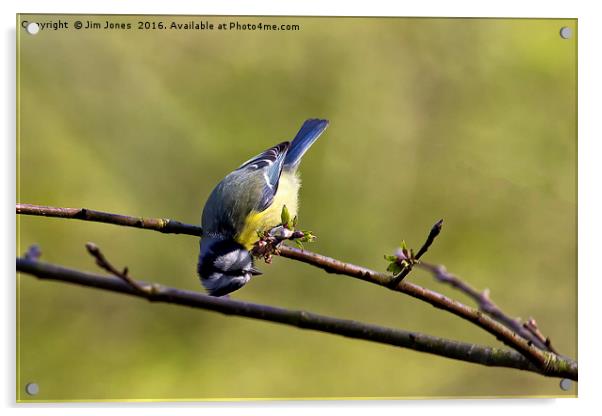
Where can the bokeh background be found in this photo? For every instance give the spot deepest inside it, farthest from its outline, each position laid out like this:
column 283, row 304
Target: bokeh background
column 470, row 120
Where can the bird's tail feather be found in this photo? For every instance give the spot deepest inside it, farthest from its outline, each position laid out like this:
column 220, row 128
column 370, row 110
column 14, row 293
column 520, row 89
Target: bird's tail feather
column 307, row 135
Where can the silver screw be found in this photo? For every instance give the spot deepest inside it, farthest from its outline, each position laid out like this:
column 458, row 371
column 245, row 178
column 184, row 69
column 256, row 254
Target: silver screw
column 566, row 384
column 32, row 28
column 32, row 389
column 566, row 32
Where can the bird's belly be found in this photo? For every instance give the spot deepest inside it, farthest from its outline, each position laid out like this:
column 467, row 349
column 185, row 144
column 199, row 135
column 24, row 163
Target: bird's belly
column 287, row 194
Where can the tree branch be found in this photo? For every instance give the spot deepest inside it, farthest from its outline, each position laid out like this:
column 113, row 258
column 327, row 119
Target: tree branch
column 542, row 359
column 496, row 357
column 156, row 224
column 437, row 300
column 527, row 330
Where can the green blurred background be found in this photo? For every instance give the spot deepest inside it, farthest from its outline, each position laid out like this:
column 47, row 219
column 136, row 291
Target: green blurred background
column 470, row 120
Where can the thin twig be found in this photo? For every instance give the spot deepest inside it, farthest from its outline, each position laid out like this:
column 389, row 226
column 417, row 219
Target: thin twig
column 103, row 263
column 33, row 252
column 430, row 239
column 498, row 357
column 435, row 230
column 531, row 326
column 328, row 264
column 527, row 330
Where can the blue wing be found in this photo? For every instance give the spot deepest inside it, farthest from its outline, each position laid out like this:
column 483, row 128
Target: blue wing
column 307, row 135
column 270, row 163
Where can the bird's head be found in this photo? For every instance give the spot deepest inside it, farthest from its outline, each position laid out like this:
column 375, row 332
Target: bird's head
column 224, row 266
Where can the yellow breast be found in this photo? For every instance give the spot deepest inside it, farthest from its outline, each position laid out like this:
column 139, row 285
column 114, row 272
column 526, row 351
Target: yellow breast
column 287, row 194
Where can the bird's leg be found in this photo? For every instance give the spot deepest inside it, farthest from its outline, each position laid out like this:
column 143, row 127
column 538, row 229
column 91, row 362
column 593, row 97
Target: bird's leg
column 270, row 240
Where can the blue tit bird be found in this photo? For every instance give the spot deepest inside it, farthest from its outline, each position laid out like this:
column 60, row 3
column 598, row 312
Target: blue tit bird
column 246, row 202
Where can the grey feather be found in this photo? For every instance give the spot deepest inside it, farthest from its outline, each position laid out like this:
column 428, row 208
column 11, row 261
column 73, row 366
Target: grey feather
column 251, row 187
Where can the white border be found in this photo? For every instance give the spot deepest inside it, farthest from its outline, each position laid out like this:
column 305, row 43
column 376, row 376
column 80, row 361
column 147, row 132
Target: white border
column 590, row 70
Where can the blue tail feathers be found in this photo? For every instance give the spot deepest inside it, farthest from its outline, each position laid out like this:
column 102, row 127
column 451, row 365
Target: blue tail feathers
column 307, row 135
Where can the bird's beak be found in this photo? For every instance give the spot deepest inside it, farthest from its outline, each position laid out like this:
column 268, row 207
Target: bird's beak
column 255, row 272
